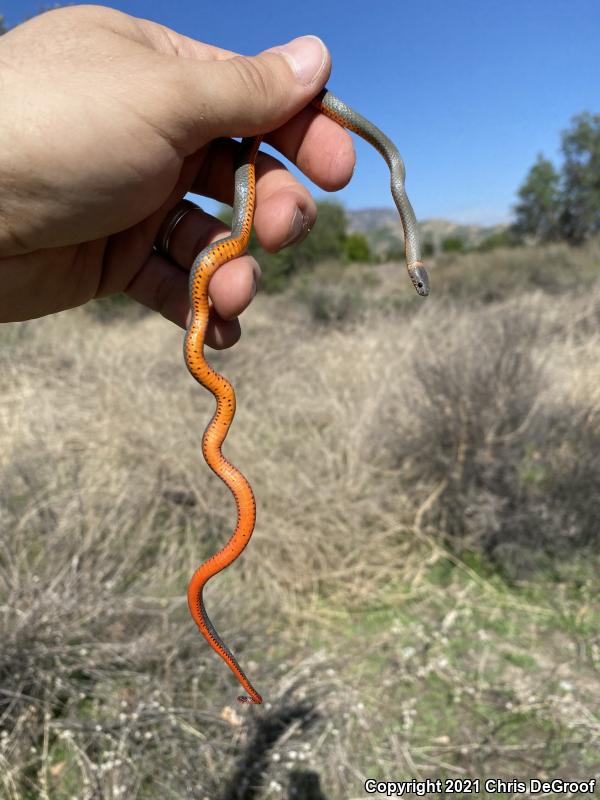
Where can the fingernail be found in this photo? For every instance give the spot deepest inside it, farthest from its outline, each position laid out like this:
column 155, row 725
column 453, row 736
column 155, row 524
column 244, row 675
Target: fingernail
column 298, row 228
column 307, row 56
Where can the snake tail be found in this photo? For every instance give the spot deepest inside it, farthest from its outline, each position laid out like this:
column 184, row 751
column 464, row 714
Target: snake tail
column 203, row 268
column 336, row 109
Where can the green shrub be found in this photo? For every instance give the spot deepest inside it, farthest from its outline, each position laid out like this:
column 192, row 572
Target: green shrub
column 453, row 244
column 356, row 248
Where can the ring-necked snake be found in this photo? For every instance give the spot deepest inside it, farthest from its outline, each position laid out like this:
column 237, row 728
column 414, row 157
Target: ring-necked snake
column 203, row 268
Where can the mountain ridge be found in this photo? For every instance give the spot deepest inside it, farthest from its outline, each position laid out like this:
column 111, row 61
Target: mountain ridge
column 381, row 227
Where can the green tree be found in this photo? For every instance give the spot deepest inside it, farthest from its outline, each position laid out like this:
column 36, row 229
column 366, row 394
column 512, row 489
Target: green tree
column 538, row 212
column 503, row 238
column 428, row 247
column 453, row 244
column 326, row 240
column 356, row 248
column 3, row 27
column 580, row 216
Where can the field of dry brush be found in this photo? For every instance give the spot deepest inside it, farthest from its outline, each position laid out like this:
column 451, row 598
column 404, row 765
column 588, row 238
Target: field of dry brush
column 420, row 598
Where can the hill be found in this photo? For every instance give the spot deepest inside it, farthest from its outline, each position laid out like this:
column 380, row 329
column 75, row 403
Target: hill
column 382, row 228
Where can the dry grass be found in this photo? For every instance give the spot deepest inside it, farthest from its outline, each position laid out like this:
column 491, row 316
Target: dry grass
column 420, row 597
column 505, row 272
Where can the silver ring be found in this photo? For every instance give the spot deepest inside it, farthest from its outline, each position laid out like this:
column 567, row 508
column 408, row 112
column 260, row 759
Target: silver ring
column 181, row 209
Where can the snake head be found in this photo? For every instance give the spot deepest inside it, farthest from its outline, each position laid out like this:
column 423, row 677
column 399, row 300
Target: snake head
column 419, row 277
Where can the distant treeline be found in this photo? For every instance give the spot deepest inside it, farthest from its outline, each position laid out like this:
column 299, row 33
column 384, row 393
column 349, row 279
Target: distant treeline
column 554, row 205
column 328, row 239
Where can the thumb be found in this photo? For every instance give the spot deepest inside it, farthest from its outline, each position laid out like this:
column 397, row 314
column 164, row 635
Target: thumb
column 245, row 96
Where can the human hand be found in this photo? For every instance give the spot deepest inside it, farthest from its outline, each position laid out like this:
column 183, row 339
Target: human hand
column 107, row 121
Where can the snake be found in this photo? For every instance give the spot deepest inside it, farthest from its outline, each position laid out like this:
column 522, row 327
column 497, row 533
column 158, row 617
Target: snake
column 204, row 266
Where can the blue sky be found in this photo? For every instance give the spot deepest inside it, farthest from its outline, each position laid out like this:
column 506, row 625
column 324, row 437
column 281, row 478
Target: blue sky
column 470, row 90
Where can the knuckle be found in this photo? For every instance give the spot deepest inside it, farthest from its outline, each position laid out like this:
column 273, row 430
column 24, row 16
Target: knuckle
column 255, row 80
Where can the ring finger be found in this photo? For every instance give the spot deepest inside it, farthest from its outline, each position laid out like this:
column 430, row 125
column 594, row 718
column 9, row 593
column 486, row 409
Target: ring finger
column 162, row 283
